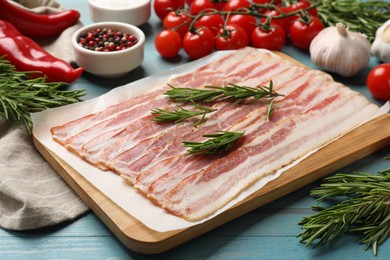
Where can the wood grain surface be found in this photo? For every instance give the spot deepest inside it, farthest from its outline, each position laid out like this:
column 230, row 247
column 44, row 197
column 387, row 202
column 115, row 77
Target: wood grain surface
column 134, row 235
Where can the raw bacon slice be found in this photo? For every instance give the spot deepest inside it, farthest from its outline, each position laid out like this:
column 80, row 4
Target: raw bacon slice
column 137, row 161
column 134, row 161
column 116, row 124
column 156, row 182
column 150, row 156
column 264, row 70
column 206, row 191
column 63, row 132
column 220, row 69
column 114, row 127
column 92, row 150
column 287, row 82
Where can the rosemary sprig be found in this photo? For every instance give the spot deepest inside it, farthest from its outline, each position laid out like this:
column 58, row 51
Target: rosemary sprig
column 366, row 209
column 214, row 93
column 220, row 142
column 21, row 95
column 180, row 114
column 359, row 16
column 230, row 91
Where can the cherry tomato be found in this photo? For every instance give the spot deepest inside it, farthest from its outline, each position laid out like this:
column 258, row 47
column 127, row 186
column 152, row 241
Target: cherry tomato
column 272, row 38
column 284, row 23
column 233, row 5
column 302, row 33
column 302, row 4
column 163, row 7
column 378, row 81
column 214, row 22
column 246, row 22
column 179, row 3
column 168, row 43
column 231, row 37
column 177, row 22
column 198, row 44
column 199, row 5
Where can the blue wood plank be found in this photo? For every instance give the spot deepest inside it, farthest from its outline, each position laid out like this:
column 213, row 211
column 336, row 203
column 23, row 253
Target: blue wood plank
column 217, row 247
column 269, row 233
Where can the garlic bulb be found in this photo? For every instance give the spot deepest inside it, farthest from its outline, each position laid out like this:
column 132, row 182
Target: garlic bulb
column 338, row 50
column 381, row 45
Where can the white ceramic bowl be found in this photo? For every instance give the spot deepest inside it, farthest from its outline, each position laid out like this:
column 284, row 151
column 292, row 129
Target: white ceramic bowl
column 135, row 12
column 114, row 63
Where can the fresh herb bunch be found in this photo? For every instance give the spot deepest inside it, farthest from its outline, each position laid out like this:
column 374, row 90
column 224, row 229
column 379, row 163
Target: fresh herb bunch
column 180, row 114
column 366, row 209
column 359, row 16
column 21, row 95
column 220, row 142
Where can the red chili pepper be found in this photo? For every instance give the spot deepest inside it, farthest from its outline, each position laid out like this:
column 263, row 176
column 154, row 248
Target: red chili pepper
column 37, row 25
column 26, row 55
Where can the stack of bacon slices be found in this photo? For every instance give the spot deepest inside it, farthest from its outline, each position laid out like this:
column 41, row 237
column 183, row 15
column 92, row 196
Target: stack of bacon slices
column 123, row 138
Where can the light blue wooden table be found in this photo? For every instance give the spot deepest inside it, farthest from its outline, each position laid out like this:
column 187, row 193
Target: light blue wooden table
column 266, row 233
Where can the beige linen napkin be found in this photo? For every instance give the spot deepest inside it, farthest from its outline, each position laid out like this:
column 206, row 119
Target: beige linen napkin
column 32, row 195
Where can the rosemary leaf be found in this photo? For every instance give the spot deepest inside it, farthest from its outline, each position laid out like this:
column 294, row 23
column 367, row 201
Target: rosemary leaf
column 220, row 142
column 270, row 109
column 21, row 95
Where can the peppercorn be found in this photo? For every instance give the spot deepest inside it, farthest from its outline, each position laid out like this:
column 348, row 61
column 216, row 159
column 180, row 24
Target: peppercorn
column 105, row 40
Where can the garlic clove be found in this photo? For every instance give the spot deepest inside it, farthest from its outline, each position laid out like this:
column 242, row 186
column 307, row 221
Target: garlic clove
column 338, row 50
column 381, row 45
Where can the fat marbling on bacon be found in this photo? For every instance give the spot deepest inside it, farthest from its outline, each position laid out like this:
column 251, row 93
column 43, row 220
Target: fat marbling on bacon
column 124, row 138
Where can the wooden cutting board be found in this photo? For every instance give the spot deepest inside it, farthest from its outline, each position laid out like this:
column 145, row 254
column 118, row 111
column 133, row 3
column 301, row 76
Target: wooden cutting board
column 133, row 234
